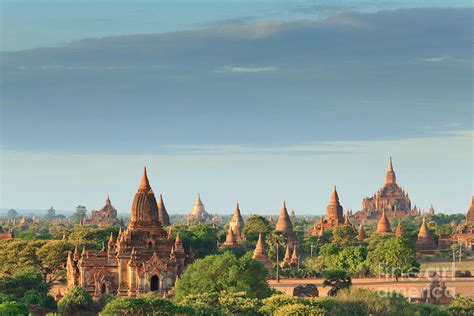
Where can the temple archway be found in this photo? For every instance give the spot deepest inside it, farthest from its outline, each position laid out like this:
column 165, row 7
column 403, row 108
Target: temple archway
column 154, row 283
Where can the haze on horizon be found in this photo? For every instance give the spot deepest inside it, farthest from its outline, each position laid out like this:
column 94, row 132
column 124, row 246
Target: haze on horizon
column 256, row 104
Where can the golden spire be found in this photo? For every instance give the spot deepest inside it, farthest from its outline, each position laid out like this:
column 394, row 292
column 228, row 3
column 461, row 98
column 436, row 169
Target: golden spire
column 424, row 233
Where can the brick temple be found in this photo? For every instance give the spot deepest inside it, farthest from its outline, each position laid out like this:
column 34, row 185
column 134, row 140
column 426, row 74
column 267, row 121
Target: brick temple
column 106, row 216
column 334, row 216
column 144, row 258
column 390, row 198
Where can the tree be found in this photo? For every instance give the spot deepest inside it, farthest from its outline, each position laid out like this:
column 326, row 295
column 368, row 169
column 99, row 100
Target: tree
column 52, row 256
column 80, row 214
column 344, row 236
column 351, row 259
column 147, row 305
column 392, row 256
column 50, row 214
column 224, row 272
column 12, row 213
column 13, row 308
column 202, row 239
column 337, row 280
column 76, row 301
column 274, row 239
column 255, row 225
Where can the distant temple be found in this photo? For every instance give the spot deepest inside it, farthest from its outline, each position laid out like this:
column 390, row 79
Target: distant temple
column 284, row 224
column 424, row 244
column 144, row 258
column 390, row 198
column 334, row 216
column 383, row 225
column 464, row 234
column 198, row 213
column 235, row 234
column 106, row 216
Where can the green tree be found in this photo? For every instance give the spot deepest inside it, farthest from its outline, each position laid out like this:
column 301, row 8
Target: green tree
column 76, row 301
column 224, row 272
column 13, row 308
column 337, row 280
column 392, row 256
column 12, row 213
column 50, row 214
column 79, row 214
column 255, row 225
column 351, row 259
column 344, row 236
column 147, row 305
column 53, row 255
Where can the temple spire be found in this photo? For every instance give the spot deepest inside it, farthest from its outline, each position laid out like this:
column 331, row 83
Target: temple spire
column 399, row 230
column 144, row 184
column 390, row 177
column 284, row 223
column 107, row 200
column 334, row 197
column 259, row 248
column 383, row 226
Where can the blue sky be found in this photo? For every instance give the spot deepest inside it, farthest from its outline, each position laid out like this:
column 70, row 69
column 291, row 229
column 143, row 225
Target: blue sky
column 251, row 102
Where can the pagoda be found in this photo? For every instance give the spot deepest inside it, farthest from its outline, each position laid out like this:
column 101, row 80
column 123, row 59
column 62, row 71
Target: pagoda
column 260, row 254
column 399, row 232
column 237, row 223
column 334, row 216
column 144, row 258
column 284, row 224
column 106, row 216
column 424, row 244
column 390, row 198
column 383, row 226
column 464, row 232
column 361, row 233
column 162, row 213
column 198, row 213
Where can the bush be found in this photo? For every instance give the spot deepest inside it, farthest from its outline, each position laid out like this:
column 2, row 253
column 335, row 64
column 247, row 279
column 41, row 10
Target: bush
column 76, row 301
column 13, row 308
column 272, row 303
column 147, row 305
column 299, row 309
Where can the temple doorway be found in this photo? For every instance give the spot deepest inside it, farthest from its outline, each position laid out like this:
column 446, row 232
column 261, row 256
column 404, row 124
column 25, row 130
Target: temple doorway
column 154, row 283
column 103, row 289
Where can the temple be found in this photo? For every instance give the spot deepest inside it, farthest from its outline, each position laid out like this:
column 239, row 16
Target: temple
column 198, row 213
column 334, row 216
column 260, row 254
column 424, row 244
column 237, row 223
column 383, row 225
column 464, row 234
column 144, row 258
column 390, row 198
column 361, row 233
column 106, row 216
column 399, row 232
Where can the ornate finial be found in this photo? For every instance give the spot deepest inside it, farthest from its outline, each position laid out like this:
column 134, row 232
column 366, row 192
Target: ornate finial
column 390, row 177
column 107, row 201
column 334, row 197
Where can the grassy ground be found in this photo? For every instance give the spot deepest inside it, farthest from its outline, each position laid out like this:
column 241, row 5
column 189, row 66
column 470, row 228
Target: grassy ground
column 467, row 264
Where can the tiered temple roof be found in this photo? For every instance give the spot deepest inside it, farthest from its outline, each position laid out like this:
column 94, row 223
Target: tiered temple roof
column 106, row 216
column 390, row 198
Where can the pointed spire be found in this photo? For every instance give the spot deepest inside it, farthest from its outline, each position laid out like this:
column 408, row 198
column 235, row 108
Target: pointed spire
column 179, row 249
column 470, row 213
column 424, row 243
column 287, row 258
column 170, row 234
column 162, row 213
column 230, row 239
column 237, row 222
column 424, row 232
column 334, row 197
column 390, row 177
column 284, row 223
column 107, row 200
column 383, row 226
column 399, row 230
column 361, row 233
column 260, row 252
column 144, row 184
column 294, row 256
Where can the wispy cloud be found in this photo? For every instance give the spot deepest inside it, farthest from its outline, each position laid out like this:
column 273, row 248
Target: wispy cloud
column 241, row 69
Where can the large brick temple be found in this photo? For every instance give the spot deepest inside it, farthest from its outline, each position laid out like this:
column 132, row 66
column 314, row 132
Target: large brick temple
column 143, row 259
column 390, row 198
column 106, row 216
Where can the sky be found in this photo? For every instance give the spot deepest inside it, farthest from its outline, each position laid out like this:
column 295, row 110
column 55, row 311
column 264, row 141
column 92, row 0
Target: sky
column 243, row 101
